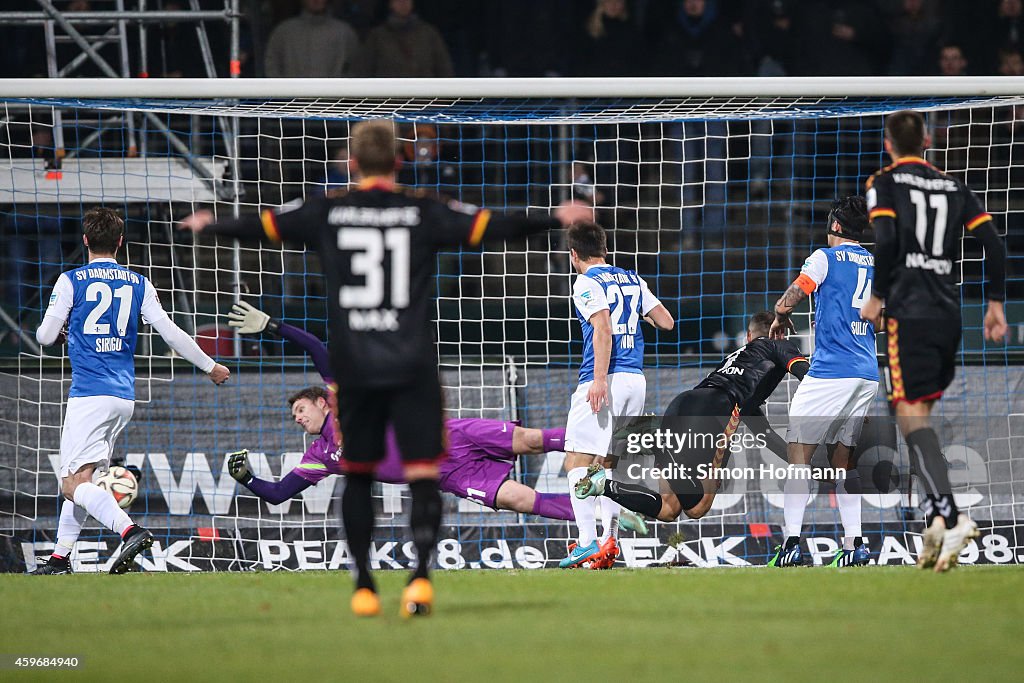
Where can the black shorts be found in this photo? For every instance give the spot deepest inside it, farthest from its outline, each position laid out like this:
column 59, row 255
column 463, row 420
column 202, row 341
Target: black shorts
column 922, row 357
column 415, row 412
column 705, row 415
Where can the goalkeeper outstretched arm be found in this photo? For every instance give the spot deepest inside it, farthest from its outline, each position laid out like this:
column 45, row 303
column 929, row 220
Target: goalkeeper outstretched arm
column 248, row 319
column 273, row 492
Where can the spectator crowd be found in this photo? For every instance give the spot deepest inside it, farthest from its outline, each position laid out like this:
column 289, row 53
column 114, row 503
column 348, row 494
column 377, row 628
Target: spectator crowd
column 467, row 38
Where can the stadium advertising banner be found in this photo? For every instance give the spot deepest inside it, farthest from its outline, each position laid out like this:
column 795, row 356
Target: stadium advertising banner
column 209, row 549
column 204, row 520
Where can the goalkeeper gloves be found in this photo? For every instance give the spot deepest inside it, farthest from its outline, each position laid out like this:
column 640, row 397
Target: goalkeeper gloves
column 248, row 319
column 238, row 467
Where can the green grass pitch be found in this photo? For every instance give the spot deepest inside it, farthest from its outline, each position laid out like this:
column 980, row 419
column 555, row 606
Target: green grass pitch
column 621, row 625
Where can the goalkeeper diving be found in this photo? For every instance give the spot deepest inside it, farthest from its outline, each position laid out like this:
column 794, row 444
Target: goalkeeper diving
column 482, row 452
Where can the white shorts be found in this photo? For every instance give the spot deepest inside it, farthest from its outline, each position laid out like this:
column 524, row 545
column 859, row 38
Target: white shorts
column 830, row 410
column 591, row 433
column 91, row 426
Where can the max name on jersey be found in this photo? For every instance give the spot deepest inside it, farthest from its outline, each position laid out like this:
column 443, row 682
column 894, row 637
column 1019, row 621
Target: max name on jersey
column 375, row 320
column 108, row 274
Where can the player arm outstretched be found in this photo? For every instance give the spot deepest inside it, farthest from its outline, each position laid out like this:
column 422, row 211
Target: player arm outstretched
column 812, row 274
column 291, row 485
column 463, row 224
column 176, row 338
column 248, row 319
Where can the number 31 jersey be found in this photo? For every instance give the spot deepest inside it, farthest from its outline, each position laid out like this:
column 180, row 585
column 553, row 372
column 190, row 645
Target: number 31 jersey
column 930, row 210
column 101, row 303
column 626, row 297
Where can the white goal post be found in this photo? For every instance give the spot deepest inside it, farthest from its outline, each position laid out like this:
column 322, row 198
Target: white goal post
column 714, row 190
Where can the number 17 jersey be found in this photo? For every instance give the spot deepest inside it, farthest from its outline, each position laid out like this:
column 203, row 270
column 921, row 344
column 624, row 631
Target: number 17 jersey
column 627, row 298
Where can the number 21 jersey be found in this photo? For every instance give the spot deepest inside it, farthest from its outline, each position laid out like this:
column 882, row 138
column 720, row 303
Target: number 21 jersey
column 101, row 302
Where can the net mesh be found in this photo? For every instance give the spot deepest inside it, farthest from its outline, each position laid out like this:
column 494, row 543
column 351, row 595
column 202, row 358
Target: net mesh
column 714, row 201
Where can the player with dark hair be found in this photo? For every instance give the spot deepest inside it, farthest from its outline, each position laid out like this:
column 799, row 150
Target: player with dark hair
column 831, row 403
column 377, row 246
column 736, row 390
column 100, row 303
column 609, row 303
column 918, row 213
column 481, row 453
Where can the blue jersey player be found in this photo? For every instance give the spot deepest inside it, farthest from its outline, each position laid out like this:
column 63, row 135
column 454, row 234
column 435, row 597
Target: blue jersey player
column 832, row 401
column 100, row 303
column 609, row 303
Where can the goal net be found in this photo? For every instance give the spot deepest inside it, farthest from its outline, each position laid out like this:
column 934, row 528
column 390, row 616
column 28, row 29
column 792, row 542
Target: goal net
column 714, row 193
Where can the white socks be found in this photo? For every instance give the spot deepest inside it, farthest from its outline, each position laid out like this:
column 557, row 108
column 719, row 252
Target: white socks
column 102, row 506
column 585, row 509
column 797, row 492
column 72, row 517
column 848, row 499
column 609, row 515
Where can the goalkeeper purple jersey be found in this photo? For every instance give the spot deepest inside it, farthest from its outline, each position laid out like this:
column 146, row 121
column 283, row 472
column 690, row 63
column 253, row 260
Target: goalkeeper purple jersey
column 323, row 458
column 468, row 439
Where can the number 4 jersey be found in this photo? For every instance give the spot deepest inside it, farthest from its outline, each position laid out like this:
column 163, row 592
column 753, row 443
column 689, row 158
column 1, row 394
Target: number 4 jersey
column 626, row 297
column 101, row 302
column 840, row 278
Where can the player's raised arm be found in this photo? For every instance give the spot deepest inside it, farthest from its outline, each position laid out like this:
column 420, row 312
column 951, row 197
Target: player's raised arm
column 470, row 226
column 812, row 274
column 248, row 319
column 293, row 221
column 184, row 345
column 57, row 312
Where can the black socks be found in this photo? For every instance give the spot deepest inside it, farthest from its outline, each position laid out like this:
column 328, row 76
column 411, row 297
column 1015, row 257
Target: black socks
column 425, row 520
column 930, row 464
column 357, row 516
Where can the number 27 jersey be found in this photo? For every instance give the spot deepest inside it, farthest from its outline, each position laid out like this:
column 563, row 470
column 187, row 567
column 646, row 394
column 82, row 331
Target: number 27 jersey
column 627, row 298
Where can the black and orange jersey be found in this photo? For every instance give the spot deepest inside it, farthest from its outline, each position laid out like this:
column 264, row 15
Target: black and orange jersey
column 378, row 250
column 916, row 268
column 751, row 373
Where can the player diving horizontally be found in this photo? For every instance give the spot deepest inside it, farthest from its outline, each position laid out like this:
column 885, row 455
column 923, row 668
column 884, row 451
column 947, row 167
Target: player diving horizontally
column 481, row 453
column 736, row 389
column 831, row 403
column 609, row 303
column 378, row 248
column 101, row 303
